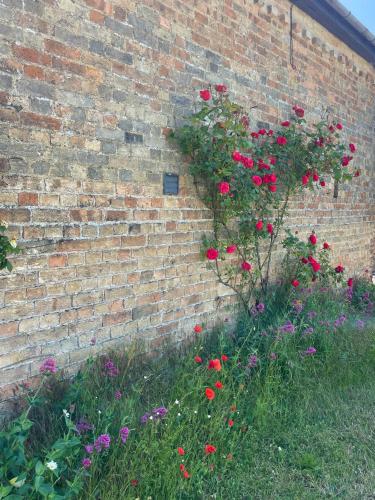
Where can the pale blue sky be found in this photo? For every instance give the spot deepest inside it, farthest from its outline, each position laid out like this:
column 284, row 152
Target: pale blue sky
column 363, row 10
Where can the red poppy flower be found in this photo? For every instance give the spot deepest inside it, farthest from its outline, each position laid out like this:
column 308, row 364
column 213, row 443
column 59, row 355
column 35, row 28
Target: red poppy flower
column 186, row 474
column 180, row 451
column 214, row 364
column 218, row 385
column 230, row 422
column 224, row 357
column 209, row 448
column 210, row 393
column 259, row 225
column 295, row 283
column 198, row 329
column 198, row 359
column 182, row 467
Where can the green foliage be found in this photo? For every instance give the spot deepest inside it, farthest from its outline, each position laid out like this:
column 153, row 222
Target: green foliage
column 50, row 474
column 247, row 178
column 7, row 247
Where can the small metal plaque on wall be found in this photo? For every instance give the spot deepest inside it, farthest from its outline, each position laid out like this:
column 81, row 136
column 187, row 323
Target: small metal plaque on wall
column 170, row 184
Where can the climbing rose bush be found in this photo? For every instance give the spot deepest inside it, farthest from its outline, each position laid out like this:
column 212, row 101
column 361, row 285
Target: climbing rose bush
column 247, row 178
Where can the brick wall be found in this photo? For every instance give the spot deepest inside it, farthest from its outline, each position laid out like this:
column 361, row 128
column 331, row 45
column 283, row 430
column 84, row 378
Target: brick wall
column 88, row 89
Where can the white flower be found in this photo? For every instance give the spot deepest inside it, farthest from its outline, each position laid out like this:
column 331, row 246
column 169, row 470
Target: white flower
column 52, row 465
column 179, row 414
column 66, row 413
column 177, row 402
column 279, row 448
column 195, row 411
column 150, row 417
column 208, row 416
column 99, row 411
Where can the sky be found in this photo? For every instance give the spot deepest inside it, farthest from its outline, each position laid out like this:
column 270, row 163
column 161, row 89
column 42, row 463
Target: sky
column 363, row 10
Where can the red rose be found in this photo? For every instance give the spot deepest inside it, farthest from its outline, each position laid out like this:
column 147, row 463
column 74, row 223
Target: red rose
column 236, row 156
column 352, row 147
column 221, row 87
column 255, row 135
column 198, row 329
column 281, row 140
column 205, row 94
column 270, row 132
column 272, row 188
column 305, row 180
column 262, row 131
column 357, row 173
column 338, row 126
column 230, row 422
column 273, row 178
column 270, row 228
column 247, row 162
column 212, row 254
column 285, row 124
column 304, row 260
column 259, row 225
column 295, row 283
column 315, row 177
column 331, row 128
column 224, row 187
column 325, row 245
column 231, row 249
column 345, row 161
column 209, row 448
column 272, row 160
column 218, row 385
column 224, row 357
column 266, row 179
column 322, row 183
column 214, row 364
column 339, row 269
column 182, row 467
column 313, row 239
column 256, row 180
column 198, row 359
column 316, row 266
column 210, row 394
column 180, row 451
column 300, row 112
column 246, row 266
column 186, row 474
column 350, row 282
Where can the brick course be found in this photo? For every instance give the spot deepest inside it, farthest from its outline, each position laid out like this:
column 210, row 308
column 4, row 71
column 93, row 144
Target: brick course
column 88, row 92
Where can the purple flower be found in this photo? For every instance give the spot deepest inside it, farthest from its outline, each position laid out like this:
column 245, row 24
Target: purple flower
column 310, row 351
column 308, row 331
column 159, row 412
column 86, row 463
column 93, row 341
column 82, row 426
column 288, row 327
column 340, row 321
column 48, row 366
column 297, row 306
column 111, row 369
column 273, row 356
column 260, row 307
column 89, row 448
column 118, row 394
column 312, row 314
column 145, row 417
column 124, row 433
column 103, row 441
column 360, row 324
column 253, row 360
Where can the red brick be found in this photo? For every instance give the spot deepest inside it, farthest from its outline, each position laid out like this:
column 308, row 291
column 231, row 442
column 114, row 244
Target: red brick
column 32, row 55
column 28, row 199
column 96, row 17
column 34, row 72
column 33, row 119
column 61, row 50
column 57, row 260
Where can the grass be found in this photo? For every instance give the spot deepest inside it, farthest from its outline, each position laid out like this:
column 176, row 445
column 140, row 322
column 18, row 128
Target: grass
column 302, row 425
